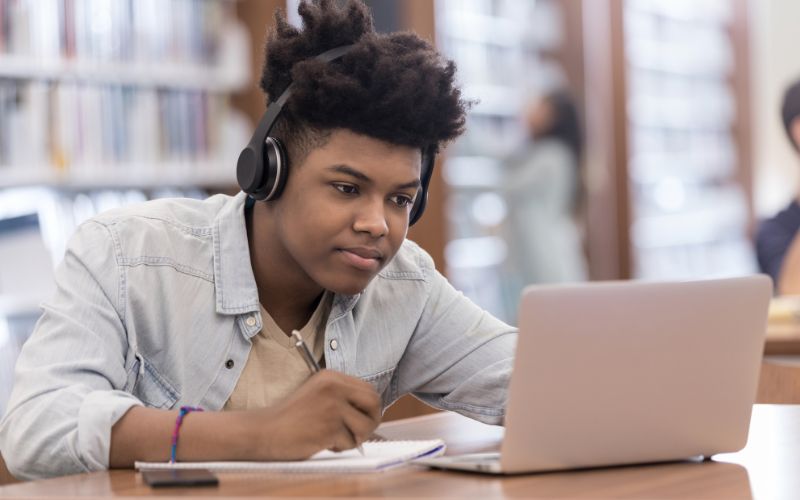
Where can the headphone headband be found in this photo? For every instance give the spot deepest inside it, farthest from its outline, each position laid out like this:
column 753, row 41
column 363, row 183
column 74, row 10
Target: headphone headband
column 269, row 118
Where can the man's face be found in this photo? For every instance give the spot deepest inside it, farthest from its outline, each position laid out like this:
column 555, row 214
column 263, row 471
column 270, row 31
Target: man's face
column 345, row 209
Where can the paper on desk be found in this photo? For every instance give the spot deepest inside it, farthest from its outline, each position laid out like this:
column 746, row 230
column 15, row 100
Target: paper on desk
column 378, row 456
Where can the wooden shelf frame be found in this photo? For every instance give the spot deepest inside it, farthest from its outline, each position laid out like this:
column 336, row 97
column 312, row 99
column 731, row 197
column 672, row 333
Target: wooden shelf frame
column 222, row 78
column 123, row 176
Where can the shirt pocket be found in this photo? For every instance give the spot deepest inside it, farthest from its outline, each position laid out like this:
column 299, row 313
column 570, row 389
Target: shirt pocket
column 381, row 381
column 150, row 387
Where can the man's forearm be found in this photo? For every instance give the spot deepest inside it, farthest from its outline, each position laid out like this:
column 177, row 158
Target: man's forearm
column 145, row 434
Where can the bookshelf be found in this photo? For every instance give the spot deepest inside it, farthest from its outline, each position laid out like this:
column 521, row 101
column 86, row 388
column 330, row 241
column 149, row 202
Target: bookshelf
column 224, row 78
column 668, row 138
column 506, row 52
column 132, row 96
column 689, row 210
column 688, row 145
column 95, row 93
column 104, row 103
column 205, row 174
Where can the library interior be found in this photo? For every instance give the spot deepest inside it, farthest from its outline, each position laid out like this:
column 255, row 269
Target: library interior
column 604, row 141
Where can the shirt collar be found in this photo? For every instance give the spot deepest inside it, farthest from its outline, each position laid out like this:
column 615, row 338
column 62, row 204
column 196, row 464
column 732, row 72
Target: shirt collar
column 342, row 304
column 236, row 290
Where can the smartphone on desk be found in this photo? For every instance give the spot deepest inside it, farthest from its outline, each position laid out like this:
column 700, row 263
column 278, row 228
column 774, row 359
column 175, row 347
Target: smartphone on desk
column 179, row 477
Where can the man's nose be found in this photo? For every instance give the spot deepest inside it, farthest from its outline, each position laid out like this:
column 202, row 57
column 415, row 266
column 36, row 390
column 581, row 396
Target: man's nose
column 371, row 219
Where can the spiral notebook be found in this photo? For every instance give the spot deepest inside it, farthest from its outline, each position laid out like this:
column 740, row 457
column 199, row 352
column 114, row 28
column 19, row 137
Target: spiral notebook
column 378, row 456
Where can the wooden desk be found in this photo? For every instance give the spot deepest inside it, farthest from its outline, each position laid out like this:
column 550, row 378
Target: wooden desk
column 780, row 370
column 766, row 468
column 782, row 338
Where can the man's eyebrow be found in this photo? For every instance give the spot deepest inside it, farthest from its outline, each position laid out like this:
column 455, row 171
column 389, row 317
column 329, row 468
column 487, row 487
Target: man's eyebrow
column 348, row 170
column 413, row 184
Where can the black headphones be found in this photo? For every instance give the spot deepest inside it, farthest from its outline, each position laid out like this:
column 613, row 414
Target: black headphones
column 263, row 166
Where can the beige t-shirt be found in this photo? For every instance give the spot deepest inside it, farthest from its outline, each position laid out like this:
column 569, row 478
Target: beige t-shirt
column 274, row 367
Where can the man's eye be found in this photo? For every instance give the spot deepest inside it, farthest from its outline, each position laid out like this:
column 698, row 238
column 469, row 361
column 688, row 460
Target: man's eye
column 402, row 201
column 346, row 188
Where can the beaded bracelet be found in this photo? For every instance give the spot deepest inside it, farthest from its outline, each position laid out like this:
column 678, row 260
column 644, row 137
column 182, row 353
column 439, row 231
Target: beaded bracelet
column 178, row 421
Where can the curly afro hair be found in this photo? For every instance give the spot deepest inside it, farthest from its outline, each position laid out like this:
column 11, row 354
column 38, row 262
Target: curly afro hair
column 392, row 87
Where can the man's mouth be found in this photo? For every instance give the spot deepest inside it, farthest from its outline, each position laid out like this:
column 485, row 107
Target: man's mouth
column 364, row 258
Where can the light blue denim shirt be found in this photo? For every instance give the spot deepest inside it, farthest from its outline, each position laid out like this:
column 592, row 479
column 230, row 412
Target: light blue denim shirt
column 156, row 306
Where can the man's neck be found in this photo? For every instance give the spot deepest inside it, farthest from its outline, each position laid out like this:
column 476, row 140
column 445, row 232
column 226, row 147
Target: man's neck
column 289, row 316
column 289, row 298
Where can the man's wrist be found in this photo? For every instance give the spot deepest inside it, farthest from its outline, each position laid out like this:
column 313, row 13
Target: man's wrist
column 248, row 434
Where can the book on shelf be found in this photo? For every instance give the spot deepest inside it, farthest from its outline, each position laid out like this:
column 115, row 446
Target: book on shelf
column 97, row 86
column 74, row 127
column 152, row 31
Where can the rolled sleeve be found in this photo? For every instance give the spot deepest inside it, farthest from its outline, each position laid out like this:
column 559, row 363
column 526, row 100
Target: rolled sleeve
column 98, row 413
column 70, row 374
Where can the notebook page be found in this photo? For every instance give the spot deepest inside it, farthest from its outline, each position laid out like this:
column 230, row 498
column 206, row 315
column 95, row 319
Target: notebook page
column 378, row 456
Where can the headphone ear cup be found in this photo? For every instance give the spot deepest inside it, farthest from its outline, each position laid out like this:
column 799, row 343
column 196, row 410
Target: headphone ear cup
column 418, row 207
column 249, row 171
column 428, row 161
column 276, row 168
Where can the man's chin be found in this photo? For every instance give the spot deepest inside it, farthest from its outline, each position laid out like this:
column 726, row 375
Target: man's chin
column 349, row 287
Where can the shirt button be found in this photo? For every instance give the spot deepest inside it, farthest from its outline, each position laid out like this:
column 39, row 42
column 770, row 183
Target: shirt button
column 334, row 345
column 251, row 321
column 229, row 364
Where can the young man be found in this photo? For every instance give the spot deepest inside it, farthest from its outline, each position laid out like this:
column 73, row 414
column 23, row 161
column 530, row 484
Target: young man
column 777, row 247
column 180, row 302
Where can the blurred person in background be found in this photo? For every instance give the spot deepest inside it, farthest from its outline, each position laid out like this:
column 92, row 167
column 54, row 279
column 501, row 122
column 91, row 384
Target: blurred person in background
column 544, row 191
column 777, row 245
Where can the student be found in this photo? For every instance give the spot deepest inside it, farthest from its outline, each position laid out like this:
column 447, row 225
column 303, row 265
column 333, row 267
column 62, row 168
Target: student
column 188, row 304
column 777, row 247
column 544, row 192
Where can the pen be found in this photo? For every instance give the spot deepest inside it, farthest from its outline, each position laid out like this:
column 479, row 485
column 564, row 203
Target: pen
column 305, row 353
column 313, row 366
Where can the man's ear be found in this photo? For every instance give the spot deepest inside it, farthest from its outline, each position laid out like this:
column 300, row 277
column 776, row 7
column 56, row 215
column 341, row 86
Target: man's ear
column 794, row 129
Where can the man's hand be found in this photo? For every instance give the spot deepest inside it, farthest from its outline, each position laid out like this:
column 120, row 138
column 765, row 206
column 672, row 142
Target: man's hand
column 329, row 411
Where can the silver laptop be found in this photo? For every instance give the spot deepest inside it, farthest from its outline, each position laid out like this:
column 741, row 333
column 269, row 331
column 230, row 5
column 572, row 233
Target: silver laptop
column 630, row 372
